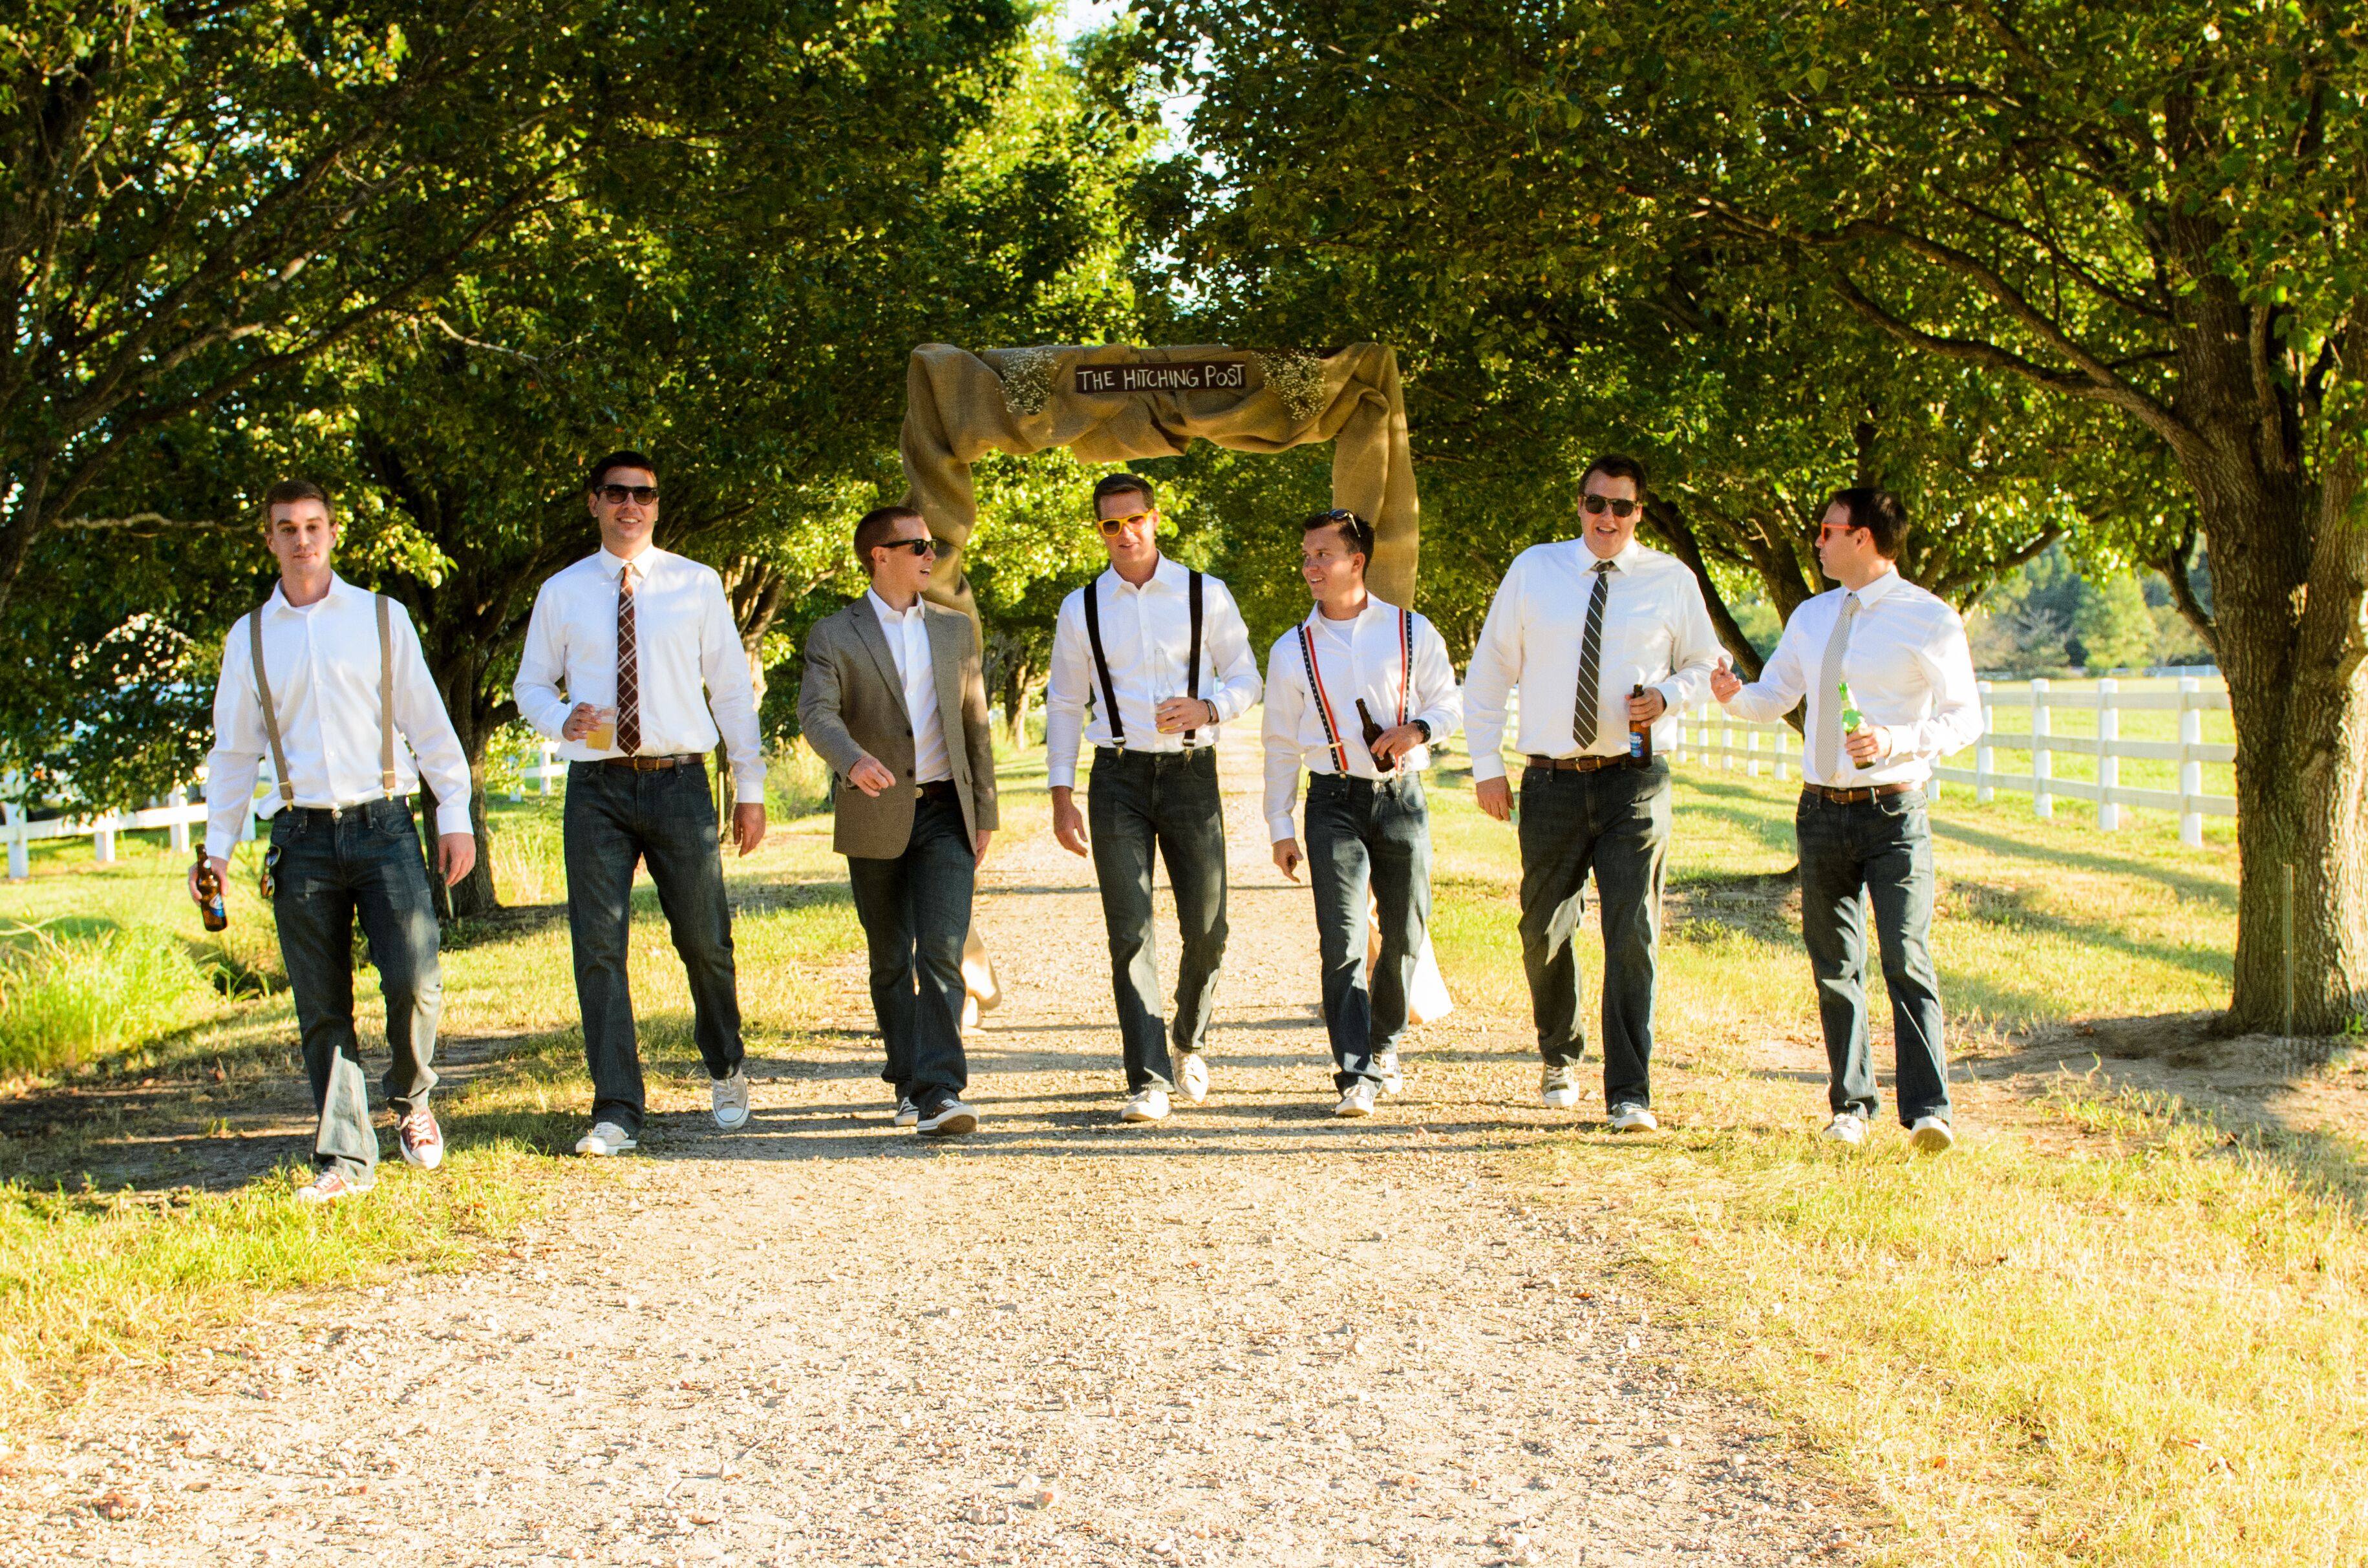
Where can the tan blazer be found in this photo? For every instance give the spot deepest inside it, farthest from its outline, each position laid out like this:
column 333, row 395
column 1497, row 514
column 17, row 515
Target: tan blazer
column 850, row 704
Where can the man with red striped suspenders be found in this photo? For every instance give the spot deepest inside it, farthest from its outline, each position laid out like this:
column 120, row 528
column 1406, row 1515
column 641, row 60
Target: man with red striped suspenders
column 1355, row 694
column 1161, row 653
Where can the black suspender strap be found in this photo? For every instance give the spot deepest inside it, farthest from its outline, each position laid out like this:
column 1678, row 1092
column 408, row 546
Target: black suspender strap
column 1101, row 663
column 1192, row 660
column 1323, row 702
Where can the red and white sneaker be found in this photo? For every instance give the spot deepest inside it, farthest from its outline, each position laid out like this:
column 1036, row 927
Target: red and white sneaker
column 327, row 1187
column 422, row 1140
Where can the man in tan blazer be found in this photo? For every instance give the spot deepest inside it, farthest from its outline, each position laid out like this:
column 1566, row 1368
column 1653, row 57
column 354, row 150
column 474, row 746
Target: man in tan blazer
column 893, row 698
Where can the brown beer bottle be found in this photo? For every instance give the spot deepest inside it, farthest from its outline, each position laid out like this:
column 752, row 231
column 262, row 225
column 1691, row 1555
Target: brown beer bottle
column 210, row 891
column 1640, row 736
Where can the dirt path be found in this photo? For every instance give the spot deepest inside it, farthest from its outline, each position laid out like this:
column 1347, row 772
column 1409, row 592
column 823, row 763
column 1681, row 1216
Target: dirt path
column 1253, row 1334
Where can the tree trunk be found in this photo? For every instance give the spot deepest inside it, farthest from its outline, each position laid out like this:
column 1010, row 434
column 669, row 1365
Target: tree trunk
column 472, row 897
column 1018, row 688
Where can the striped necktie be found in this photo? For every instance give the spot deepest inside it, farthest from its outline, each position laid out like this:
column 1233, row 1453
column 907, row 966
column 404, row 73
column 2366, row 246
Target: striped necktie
column 1590, row 660
column 629, row 669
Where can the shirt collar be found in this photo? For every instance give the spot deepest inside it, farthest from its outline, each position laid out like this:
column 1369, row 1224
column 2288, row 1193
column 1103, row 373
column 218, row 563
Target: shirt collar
column 886, row 612
column 1170, row 574
column 1876, row 589
column 1374, row 606
column 1630, row 554
column 279, row 603
column 612, row 565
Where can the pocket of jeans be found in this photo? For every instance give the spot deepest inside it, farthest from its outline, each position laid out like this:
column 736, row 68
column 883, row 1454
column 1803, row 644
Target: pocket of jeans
column 1902, row 805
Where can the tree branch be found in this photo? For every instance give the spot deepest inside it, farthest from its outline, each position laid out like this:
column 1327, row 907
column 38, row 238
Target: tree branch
column 1670, row 523
column 2182, row 592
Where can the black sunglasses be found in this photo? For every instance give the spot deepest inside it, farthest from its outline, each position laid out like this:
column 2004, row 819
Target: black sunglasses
column 1598, row 504
column 917, row 546
column 618, row 494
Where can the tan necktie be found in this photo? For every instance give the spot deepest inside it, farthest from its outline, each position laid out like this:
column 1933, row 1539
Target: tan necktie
column 1830, row 701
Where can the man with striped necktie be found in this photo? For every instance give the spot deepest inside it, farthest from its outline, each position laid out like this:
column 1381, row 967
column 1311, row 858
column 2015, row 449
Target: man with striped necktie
column 1598, row 634
column 645, row 645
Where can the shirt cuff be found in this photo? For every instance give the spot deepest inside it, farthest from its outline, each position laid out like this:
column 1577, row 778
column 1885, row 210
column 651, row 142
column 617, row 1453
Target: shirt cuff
column 1485, row 766
column 452, row 816
column 749, row 786
column 220, row 850
column 1279, row 828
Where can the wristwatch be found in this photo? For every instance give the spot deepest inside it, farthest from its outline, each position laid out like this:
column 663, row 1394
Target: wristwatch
column 1423, row 726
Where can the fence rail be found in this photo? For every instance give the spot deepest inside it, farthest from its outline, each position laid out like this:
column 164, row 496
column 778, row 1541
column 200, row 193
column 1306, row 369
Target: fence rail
column 1707, row 734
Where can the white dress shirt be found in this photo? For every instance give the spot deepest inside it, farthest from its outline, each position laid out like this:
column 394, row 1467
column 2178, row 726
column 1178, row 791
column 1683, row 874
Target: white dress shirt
column 1908, row 668
column 909, row 645
column 1148, row 635
column 1657, row 632
column 1358, row 657
column 687, row 647
column 324, row 666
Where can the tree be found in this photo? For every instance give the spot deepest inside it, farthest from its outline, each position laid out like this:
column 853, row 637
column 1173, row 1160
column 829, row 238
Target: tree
column 2112, row 627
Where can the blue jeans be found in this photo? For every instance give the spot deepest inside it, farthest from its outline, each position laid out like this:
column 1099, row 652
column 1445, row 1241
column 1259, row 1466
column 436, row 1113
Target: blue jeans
column 1616, row 821
column 1136, row 803
column 1883, row 846
column 364, row 861
column 615, row 818
column 916, row 912
column 1366, row 835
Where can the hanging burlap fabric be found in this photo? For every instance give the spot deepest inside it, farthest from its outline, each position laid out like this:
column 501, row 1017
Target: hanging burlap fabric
column 1115, row 402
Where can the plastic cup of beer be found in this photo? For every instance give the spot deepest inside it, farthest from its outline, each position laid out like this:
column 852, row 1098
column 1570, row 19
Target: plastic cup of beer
column 603, row 734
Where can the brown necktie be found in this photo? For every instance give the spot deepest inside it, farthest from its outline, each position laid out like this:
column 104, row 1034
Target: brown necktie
column 629, row 669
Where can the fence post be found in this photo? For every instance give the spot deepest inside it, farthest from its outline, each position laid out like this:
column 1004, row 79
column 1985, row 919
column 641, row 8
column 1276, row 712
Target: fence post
column 518, row 789
column 1985, row 759
column 20, row 865
column 102, row 839
column 1726, row 741
column 2190, row 767
column 177, row 835
column 2043, row 766
column 1784, row 738
column 2109, row 765
column 543, row 777
column 1751, row 744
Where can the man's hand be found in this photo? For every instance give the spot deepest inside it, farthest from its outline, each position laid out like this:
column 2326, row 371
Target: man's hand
column 870, row 776
column 580, row 722
column 1495, row 798
column 1068, row 823
column 1868, row 745
column 456, row 855
column 748, row 823
column 1178, row 714
column 221, row 880
column 1646, row 709
column 1287, row 858
column 979, row 841
column 1393, row 745
column 1723, row 682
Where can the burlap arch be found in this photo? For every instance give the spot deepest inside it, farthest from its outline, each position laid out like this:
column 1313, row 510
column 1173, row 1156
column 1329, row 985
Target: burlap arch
column 1152, row 403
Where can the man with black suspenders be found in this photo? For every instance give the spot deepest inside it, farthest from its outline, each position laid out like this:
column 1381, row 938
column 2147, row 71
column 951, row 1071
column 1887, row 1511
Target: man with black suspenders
column 1355, row 694
column 323, row 677
column 1162, row 654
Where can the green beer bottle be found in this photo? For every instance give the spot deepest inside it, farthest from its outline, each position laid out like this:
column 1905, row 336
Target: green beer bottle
column 1852, row 720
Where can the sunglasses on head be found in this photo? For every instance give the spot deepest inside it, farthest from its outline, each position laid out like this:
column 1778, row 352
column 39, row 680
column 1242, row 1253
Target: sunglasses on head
column 1598, row 504
column 1133, row 519
column 917, row 546
column 618, row 494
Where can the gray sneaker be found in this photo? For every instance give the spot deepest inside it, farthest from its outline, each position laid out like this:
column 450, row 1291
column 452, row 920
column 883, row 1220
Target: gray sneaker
column 1385, row 1062
column 1357, row 1100
column 1558, row 1087
column 731, row 1098
column 1630, row 1117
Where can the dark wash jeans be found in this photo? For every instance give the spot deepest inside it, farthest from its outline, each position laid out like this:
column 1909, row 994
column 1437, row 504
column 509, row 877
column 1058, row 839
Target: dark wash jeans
column 364, row 862
column 1362, row 834
column 1136, row 803
column 916, row 912
column 1883, row 846
column 615, row 818
column 1615, row 820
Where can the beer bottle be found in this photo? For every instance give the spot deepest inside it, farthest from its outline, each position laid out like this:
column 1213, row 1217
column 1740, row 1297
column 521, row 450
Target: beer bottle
column 1640, row 736
column 1852, row 720
column 210, row 891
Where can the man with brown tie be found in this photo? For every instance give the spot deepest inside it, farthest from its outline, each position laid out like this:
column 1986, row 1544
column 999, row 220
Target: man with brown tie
column 645, row 645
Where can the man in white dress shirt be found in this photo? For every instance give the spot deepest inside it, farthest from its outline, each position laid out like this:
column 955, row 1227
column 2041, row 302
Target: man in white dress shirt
column 1599, row 634
column 1862, row 822
column 1355, row 694
column 644, row 643
column 342, row 676
column 893, row 698
column 1161, row 653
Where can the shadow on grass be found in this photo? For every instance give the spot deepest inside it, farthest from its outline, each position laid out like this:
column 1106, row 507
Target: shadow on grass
column 2187, row 885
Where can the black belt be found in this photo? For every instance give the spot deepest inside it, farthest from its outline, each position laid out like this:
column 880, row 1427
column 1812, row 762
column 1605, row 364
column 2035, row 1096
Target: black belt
column 1578, row 764
column 653, row 764
column 339, row 813
column 938, row 790
column 1855, row 797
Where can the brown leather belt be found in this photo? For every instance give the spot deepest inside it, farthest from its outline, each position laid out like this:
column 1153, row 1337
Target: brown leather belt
column 655, row 764
column 938, row 790
column 1855, row 797
column 1578, row 764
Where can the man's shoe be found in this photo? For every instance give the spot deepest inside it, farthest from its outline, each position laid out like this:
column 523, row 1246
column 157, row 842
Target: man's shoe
column 731, row 1100
column 1932, row 1134
column 1147, row 1104
column 1357, row 1100
column 1386, row 1064
column 605, row 1138
column 1845, row 1128
column 1559, row 1087
column 327, row 1187
column 1630, row 1117
column 908, row 1113
column 1193, row 1076
column 421, row 1141
column 951, row 1118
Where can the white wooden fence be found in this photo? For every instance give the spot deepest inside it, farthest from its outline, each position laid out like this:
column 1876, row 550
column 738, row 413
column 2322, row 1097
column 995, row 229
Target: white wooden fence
column 1707, row 734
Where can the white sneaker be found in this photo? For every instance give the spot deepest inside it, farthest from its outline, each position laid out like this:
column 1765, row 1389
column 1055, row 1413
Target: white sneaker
column 1357, row 1100
column 327, row 1187
column 606, row 1137
column 1630, row 1117
column 731, row 1100
column 908, row 1113
column 1559, row 1087
column 1193, row 1076
column 1148, row 1105
column 1845, row 1128
column 1386, row 1064
column 1932, row 1134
